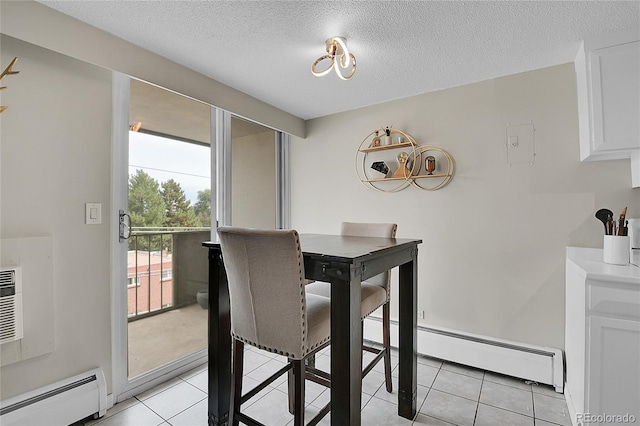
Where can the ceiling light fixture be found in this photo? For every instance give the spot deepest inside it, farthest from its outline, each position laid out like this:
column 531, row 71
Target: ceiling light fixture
column 340, row 58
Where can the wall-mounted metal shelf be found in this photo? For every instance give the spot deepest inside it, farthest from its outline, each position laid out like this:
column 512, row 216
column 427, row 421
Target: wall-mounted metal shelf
column 408, row 168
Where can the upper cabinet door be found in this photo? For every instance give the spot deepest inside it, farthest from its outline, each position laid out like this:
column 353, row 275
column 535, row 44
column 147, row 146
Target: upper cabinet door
column 615, row 78
column 608, row 80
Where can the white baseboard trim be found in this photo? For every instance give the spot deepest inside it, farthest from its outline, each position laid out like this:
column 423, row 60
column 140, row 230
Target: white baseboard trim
column 536, row 363
column 573, row 414
column 61, row 403
column 110, row 400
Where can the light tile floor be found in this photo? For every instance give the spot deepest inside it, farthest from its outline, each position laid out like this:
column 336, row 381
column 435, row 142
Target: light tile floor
column 448, row 394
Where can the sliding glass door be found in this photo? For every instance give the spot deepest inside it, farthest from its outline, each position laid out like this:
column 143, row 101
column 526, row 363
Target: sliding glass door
column 169, row 197
column 181, row 167
column 253, row 175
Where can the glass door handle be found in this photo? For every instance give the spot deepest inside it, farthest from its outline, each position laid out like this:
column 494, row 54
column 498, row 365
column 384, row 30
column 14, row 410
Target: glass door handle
column 125, row 225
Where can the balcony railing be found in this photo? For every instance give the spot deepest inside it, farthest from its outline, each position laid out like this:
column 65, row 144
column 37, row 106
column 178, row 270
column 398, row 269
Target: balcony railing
column 166, row 268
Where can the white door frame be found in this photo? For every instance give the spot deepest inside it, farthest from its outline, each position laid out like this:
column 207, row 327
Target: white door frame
column 223, row 169
column 119, row 201
column 123, row 387
column 283, row 181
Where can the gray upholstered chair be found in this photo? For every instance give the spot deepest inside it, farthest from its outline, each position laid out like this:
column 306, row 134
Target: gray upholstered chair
column 271, row 310
column 375, row 293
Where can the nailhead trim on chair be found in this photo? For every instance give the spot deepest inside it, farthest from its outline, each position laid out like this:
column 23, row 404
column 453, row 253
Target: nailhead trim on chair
column 369, row 313
column 305, row 348
column 303, row 299
column 276, row 351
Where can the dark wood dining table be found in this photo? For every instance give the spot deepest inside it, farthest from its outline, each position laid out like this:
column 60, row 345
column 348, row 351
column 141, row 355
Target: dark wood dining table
column 344, row 262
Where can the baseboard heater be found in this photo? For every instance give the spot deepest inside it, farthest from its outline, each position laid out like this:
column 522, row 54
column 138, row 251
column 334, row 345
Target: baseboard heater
column 539, row 364
column 61, row 403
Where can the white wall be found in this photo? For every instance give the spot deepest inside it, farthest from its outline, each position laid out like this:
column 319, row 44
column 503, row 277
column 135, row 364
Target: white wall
column 492, row 260
column 55, row 151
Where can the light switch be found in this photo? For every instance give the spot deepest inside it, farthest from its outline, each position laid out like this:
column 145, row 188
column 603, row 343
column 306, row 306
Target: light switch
column 93, row 213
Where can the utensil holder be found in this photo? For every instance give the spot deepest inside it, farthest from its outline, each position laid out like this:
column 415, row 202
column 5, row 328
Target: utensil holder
column 616, row 249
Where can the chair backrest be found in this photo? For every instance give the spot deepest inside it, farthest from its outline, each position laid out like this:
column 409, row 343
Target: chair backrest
column 358, row 229
column 265, row 271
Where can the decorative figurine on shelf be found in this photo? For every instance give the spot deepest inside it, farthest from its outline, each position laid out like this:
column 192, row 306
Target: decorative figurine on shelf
column 380, row 167
column 376, row 140
column 386, row 139
column 430, row 164
column 402, row 171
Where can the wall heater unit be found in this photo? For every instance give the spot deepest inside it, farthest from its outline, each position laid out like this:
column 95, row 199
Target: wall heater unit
column 539, row 364
column 11, row 304
column 61, row 403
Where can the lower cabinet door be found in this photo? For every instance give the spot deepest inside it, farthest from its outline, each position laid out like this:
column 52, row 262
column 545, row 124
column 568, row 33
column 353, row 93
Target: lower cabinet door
column 613, row 389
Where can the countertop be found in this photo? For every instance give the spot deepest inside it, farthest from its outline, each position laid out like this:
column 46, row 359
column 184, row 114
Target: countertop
column 589, row 261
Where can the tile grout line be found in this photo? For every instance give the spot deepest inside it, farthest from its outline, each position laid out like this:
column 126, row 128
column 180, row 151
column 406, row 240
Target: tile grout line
column 429, row 391
column 506, row 409
column 533, row 404
column 161, row 392
column 475, row 416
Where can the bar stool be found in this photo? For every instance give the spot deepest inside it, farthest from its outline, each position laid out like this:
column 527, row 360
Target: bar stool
column 271, row 310
column 375, row 293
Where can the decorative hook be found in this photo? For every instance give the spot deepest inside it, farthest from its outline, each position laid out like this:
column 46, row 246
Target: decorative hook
column 8, row 71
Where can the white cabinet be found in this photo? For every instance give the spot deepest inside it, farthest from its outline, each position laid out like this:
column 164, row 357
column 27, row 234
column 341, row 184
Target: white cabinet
column 608, row 84
column 602, row 339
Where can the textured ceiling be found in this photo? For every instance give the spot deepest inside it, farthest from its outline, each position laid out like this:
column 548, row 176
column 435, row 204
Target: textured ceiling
column 403, row 48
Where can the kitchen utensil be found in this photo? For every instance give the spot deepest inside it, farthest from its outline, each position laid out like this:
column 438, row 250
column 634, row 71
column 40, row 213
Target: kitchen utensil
column 621, row 223
column 610, row 226
column 603, row 216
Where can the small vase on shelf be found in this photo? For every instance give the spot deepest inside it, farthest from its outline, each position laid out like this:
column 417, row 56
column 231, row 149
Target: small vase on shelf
column 430, row 164
column 386, row 139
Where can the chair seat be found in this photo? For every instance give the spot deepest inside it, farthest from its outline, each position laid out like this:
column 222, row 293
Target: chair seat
column 372, row 295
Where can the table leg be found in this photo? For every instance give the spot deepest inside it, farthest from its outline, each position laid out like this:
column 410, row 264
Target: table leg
column 219, row 341
column 346, row 357
column 408, row 361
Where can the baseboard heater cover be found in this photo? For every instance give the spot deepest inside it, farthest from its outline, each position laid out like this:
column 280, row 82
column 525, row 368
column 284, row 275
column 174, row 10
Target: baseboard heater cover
column 539, row 364
column 61, row 403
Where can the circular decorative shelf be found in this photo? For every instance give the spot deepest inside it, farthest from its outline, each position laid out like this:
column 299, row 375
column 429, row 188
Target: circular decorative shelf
column 375, row 166
column 378, row 170
column 442, row 168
